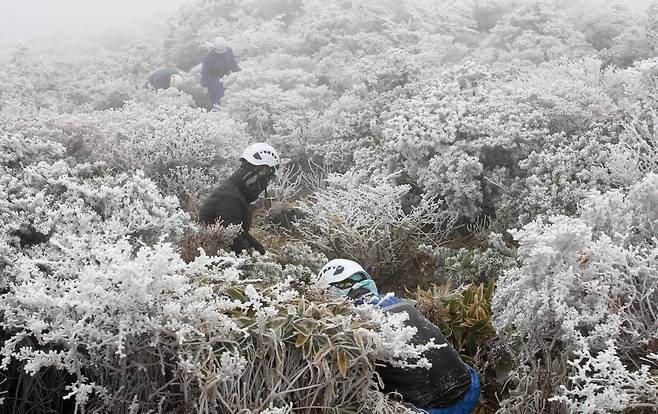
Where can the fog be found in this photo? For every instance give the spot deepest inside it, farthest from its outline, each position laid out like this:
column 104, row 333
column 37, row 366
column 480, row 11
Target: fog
column 111, row 22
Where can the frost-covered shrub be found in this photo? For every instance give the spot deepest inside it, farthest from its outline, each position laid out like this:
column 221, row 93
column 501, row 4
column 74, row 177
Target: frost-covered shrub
column 636, row 42
column 299, row 255
column 184, row 150
column 490, row 144
column 488, row 13
column 35, row 82
column 204, row 336
column 344, row 135
column 350, row 124
column 369, row 225
column 54, row 215
column 296, row 64
column 579, row 313
column 454, row 175
column 274, row 112
column 534, row 33
column 17, row 150
column 276, row 96
column 29, row 82
column 630, row 218
column 601, row 24
column 372, row 27
column 211, row 239
column 554, row 179
column 636, row 154
column 479, row 264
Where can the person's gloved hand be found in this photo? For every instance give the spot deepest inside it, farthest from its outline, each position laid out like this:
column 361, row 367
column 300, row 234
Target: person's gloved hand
column 258, row 246
column 255, row 243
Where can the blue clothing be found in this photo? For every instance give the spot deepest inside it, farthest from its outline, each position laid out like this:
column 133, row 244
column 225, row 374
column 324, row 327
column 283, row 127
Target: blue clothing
column 466, row 404
column 215, row 66
column 215, row 92
column 161, row 78
column 384, row 301
column 448, row 387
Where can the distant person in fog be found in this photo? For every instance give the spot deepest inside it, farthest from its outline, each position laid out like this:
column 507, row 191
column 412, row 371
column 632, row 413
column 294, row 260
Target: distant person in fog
column 163, row 78
column 218, row 62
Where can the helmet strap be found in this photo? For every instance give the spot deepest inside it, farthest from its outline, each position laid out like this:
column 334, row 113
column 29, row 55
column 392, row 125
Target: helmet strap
column 254, row 181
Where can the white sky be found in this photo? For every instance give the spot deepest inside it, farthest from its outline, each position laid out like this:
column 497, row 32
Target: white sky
column 27, row 21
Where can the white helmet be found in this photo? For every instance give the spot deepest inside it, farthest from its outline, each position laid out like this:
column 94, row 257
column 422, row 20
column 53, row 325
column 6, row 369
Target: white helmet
column 219, row 45
column 176, row 80
column 337, row 270
column 261, row 154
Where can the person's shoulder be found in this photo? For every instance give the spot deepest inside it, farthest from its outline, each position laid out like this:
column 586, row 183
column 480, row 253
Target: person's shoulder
column 226, row 186
column 229, row 191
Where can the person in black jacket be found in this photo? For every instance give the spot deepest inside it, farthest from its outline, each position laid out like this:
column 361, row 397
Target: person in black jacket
column 230, row 203
column 163, row 78
column 449, row 386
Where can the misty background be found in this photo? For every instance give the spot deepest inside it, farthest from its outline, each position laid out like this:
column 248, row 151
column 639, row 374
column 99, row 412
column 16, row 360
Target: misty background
column 112, row 23
column 47, row 23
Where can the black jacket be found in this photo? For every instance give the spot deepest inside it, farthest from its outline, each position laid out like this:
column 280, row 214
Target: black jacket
column 230, row 203
column 443, row 384
column 161, row 78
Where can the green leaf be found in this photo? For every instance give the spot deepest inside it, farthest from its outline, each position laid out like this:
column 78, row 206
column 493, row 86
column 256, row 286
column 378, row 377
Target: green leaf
column 488, row 294
column 301, row 340
column 468, row 259
column 479, row 325
column 236, row 294
column 307, row 347
column 471, row 348
column 457, row 334
column 468, row 296
column 321, row 354
column 302, row 327
column 276, row 323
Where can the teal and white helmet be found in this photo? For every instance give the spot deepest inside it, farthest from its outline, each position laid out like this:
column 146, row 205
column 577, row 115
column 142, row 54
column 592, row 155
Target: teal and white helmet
column 342, row 277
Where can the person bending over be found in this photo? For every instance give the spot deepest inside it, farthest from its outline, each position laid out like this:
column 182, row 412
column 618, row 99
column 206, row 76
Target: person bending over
column 449, row 386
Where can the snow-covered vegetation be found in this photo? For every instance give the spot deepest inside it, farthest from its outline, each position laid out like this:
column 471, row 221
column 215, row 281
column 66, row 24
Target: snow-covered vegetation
column 509, row 143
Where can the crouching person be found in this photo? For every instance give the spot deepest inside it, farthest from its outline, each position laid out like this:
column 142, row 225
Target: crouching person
column 164, row 78
column 449, row 386
column 230, row 203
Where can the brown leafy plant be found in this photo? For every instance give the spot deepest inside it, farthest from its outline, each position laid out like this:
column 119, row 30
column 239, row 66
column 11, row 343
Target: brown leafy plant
column 463, row 314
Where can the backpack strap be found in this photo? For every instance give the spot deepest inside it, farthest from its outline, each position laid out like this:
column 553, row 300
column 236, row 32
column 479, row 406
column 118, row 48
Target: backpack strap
column 387, row 303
